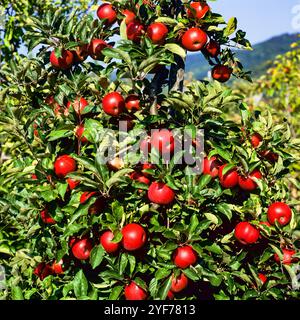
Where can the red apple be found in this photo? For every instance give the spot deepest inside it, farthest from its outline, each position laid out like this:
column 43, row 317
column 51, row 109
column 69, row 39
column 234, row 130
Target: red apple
column 58, row 267
column 262, row 278
column 87, row 195
column 129, row 16
column 64, row 62
column 107, row 244
column 247, row 183
column 184, row 257
column 79, row 104
column 280, row 212
column 106, row 12
column 80, row 53
column 211, row 166
column 245, row 233
column 137, row 176
column 198, row 10
column 113, row 104
column 46, row 217
column 212, row 49
column 163, row 141
column 256, row 140
column 194, row 39
column 43, row 270
column 134, row 292
column 157, row 32
column 287, row 257
column 82, row 248
column 132, row 103
column 72, row 183
column 160, row 193
column 221, row 73
column 135, row 31
column 179, row 283
column 134, row 237
column 79, row 132
column 230, row 179
column 64, row 165
column 95, row 48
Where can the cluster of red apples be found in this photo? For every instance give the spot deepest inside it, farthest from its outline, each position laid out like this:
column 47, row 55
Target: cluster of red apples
column 193, row 39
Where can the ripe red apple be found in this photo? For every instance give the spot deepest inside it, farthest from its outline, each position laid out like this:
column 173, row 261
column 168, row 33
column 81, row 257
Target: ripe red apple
column 280, row 212
column 160, row 193
column 82, row 248
column 87, row 195
column 180, row 283
column 245, row 233
column 137, row 176
column 163, row 141
column 50, row 101
column 262, row 278
column 211, row 166
column 184, row 257
column 64, row 62
column 42, row 270
column 113, row 104
column 46, row 217
column 116, row 164
column 95, row 48
column 106, row 12
column 107, row 244
column 256, row 140
column 132, row 103
column 157, row 32
column 198, row 10
column 135, row 31
column 80, row 53
column 98, row 206
column 58, row 267
column 64, row 165
column 194, row 39
column 79, row 132
column 134, row 237
column 221, row 73
column 34, row 177
column 269, row 155
column 129, row 16
column 134, row 292
column 230, row 179
column 78, row 105
column 170, row 295
column 72, row 183
column 287, row 256
column 247, row 183
column 212, row 49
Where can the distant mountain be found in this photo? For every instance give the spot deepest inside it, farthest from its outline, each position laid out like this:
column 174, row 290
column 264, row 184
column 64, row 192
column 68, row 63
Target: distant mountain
column 257, row 60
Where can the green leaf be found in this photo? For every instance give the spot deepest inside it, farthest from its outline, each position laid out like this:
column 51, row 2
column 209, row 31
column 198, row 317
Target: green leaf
column 116, row 292
column 123, row 263
column 16, row 293
column 97, row 255
column 175, row 48
column 80, row 284
column 231, row 27
column 162, row 273
column 163, row 292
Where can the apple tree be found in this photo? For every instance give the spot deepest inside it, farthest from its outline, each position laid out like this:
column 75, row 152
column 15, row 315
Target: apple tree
column 82, row 222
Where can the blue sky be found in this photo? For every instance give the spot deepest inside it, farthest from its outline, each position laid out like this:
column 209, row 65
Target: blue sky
column 261, row 19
